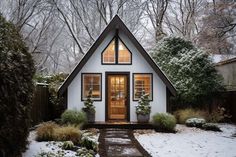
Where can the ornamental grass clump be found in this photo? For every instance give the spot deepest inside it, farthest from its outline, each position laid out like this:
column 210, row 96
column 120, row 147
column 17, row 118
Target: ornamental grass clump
column 164, row 122
column 67, row 133
column 73, row 117
column 183, row 114
column 45, row 132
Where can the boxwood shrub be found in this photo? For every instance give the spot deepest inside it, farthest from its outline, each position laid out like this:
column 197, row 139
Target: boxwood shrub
column 164, row 122
column 73, row 117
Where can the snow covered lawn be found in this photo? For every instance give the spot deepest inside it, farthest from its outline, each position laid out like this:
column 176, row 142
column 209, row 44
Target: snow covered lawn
column 190, row 142
column 34, row 147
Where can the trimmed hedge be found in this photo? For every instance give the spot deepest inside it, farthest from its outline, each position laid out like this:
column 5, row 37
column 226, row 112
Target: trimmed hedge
column 16, row 88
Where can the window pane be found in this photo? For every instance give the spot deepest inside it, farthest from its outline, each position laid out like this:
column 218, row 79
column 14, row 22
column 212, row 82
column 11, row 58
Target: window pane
column 109, row 53
column 142, row 82
column 92, row 81
column 124, row 54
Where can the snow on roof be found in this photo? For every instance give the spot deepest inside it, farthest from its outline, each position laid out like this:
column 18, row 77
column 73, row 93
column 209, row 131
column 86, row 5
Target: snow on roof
column 216, row 58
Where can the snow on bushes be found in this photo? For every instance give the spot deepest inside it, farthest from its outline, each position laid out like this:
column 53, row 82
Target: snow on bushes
column 16, row 73
column 195, row 122
column 189, row 68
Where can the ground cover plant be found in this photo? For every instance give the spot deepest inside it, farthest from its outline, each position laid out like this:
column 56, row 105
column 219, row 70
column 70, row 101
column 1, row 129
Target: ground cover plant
column 211, row 127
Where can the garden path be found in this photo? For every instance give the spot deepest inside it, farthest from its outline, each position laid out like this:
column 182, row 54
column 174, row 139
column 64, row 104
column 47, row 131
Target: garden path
column 119, row 143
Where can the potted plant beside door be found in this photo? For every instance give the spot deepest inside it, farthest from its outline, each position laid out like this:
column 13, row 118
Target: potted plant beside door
column 143, row 108
column 89, row 108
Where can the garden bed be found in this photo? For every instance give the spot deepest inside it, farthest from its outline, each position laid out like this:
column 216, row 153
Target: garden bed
column 35, row 147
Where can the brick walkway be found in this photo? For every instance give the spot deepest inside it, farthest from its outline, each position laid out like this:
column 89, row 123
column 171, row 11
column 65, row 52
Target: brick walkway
column 119, row 143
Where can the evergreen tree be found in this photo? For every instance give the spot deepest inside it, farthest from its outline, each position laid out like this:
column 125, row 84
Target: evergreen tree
column 16, row 88
column 88, row 104
column 143, row 106
column 189, row 68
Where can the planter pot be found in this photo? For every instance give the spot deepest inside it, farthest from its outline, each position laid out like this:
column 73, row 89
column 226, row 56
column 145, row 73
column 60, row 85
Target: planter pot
column 143, row 118
column 90, row 117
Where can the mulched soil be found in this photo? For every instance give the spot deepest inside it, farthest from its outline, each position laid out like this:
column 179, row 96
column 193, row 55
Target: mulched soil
column 120, row 143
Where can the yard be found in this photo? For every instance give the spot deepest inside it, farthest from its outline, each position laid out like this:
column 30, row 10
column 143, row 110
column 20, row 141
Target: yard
column 189, row 142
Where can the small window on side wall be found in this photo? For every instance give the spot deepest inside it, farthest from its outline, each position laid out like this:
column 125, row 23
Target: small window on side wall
column 142, row 83
column 91, row 81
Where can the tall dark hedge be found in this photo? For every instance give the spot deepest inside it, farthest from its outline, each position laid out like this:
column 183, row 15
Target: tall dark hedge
column 16, row 87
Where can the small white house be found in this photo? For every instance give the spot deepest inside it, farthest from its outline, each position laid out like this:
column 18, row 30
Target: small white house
column 118, row 69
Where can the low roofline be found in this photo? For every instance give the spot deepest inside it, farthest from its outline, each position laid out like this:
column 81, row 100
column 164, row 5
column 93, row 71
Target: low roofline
column 226, row 61
column 116, row 23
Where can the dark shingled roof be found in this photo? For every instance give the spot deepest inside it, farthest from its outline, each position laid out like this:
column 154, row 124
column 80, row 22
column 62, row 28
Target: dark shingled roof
column 116, row 23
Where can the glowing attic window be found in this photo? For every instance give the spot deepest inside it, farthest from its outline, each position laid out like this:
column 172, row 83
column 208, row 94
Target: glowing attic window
column 116, row 53
column 124, row 56
column 109, row 53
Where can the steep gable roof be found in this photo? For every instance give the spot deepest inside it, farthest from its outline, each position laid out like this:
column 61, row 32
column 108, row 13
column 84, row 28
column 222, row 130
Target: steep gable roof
column 116, row 23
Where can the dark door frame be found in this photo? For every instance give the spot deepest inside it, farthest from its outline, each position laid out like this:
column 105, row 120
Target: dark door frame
column 128, row 92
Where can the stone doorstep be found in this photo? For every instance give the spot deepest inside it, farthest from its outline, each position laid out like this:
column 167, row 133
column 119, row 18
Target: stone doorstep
column 119, row 141
column 123, row 150
column 117, row 136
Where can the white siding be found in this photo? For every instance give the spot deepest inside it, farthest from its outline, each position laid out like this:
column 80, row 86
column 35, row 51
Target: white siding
column 139, row 65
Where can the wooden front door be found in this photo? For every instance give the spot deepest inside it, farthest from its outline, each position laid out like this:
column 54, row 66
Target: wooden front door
column 117, row 97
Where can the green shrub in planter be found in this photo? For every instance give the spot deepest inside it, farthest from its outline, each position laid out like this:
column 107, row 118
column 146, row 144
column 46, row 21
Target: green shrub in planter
column 195, row 122
column 73, row 117
column 164, row 122
column 210, row 126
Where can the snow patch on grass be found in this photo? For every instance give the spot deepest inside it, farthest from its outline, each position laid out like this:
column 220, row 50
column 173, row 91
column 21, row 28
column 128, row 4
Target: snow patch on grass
column 192, row 142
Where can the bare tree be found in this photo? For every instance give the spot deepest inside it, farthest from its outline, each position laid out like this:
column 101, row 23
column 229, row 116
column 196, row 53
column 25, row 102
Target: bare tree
column 155, row 11
column 219, row 28
column 183, row 17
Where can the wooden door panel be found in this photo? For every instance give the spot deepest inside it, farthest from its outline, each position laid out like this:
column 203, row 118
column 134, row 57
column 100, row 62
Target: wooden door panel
column 117, row 94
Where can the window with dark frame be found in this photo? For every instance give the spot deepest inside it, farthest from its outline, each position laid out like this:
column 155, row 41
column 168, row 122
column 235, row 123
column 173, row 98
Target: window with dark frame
column 116, row 53
column 142, row 83
column 91, row 81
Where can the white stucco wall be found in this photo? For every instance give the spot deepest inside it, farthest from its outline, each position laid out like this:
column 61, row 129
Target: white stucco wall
column 139, row 65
